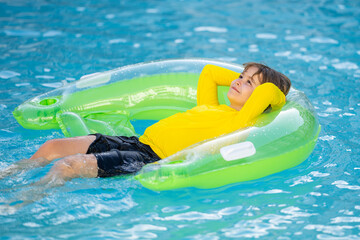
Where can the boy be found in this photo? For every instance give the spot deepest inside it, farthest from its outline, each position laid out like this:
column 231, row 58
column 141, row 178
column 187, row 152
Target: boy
column 104, row 156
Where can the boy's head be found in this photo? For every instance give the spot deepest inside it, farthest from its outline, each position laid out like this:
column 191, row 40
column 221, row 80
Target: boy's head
column 255, row 74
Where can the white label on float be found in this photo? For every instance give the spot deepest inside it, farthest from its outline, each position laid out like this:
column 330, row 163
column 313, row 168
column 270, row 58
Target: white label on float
column 238, row 151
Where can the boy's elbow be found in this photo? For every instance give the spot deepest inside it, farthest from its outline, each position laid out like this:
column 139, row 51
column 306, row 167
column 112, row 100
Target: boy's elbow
column 207, row 68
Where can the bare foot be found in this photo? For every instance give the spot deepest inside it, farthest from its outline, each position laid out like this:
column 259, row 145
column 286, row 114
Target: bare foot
column 24, row 164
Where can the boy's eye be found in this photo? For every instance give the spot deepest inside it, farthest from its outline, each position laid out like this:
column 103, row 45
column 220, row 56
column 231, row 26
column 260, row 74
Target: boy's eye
column 240, row 76
column 249, row 82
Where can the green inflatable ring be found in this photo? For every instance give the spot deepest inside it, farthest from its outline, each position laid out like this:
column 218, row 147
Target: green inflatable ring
column 110, row 102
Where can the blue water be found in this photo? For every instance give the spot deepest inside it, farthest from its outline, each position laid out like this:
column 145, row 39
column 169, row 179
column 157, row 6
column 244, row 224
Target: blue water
column 45, row 44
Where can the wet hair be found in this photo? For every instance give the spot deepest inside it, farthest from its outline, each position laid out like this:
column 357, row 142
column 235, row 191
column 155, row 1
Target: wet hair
column 267, row 74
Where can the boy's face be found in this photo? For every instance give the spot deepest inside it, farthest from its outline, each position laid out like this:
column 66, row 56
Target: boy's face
column 241, row 88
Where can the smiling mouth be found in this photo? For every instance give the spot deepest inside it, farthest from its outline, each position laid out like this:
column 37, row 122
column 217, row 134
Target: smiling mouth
column 235, row 89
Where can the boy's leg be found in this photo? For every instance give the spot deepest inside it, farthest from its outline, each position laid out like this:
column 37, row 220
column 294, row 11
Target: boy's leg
column 79, row 165
column 75, row 166
column 50, row 150
column 62, row 147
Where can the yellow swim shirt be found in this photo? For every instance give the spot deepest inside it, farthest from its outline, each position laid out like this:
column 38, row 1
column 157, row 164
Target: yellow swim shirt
column 209, row 119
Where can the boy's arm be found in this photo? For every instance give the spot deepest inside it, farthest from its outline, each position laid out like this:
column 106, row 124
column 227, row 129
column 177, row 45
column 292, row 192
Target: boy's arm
column 264, row 95
column 212, row 76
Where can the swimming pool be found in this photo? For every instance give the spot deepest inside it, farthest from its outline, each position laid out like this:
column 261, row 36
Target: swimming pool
column 47, row 44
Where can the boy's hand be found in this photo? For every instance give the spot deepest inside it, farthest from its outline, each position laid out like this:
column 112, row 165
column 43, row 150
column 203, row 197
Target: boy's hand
column 271, row 93
column 264, row 95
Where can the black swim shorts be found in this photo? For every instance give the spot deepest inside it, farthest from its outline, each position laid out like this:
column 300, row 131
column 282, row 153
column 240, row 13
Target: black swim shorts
column 118, row 155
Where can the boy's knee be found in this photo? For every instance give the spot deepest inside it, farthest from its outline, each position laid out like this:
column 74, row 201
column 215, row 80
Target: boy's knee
column 79, row 165
column 51, row 145
column 51, row 148
column 64, row 168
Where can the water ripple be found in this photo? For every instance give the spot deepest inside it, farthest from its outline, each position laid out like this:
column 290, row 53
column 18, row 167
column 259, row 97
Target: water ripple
column 52, row 33
column 261, row 226
column 327, row 138
column 345, row 220
column 117, row 40
column 6, row 74
column 272, row 191
column 304, row 57
column 345, row 185
column 307, row 178
column 43, row 42
column 323, row 40
column 294, row 37
column 139, row 231
column 175, row 209
column 210, row 29
column 345, row 65
column 266, row 36
column 21, row 33
column 193, row 216
column 196, row 215
column 217, row 40
column 333, row 230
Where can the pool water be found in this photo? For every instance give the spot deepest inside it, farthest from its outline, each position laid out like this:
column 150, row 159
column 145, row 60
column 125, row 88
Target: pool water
column 47, row 44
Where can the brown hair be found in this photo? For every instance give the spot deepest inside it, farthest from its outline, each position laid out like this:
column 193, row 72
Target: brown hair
column 267, row 74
